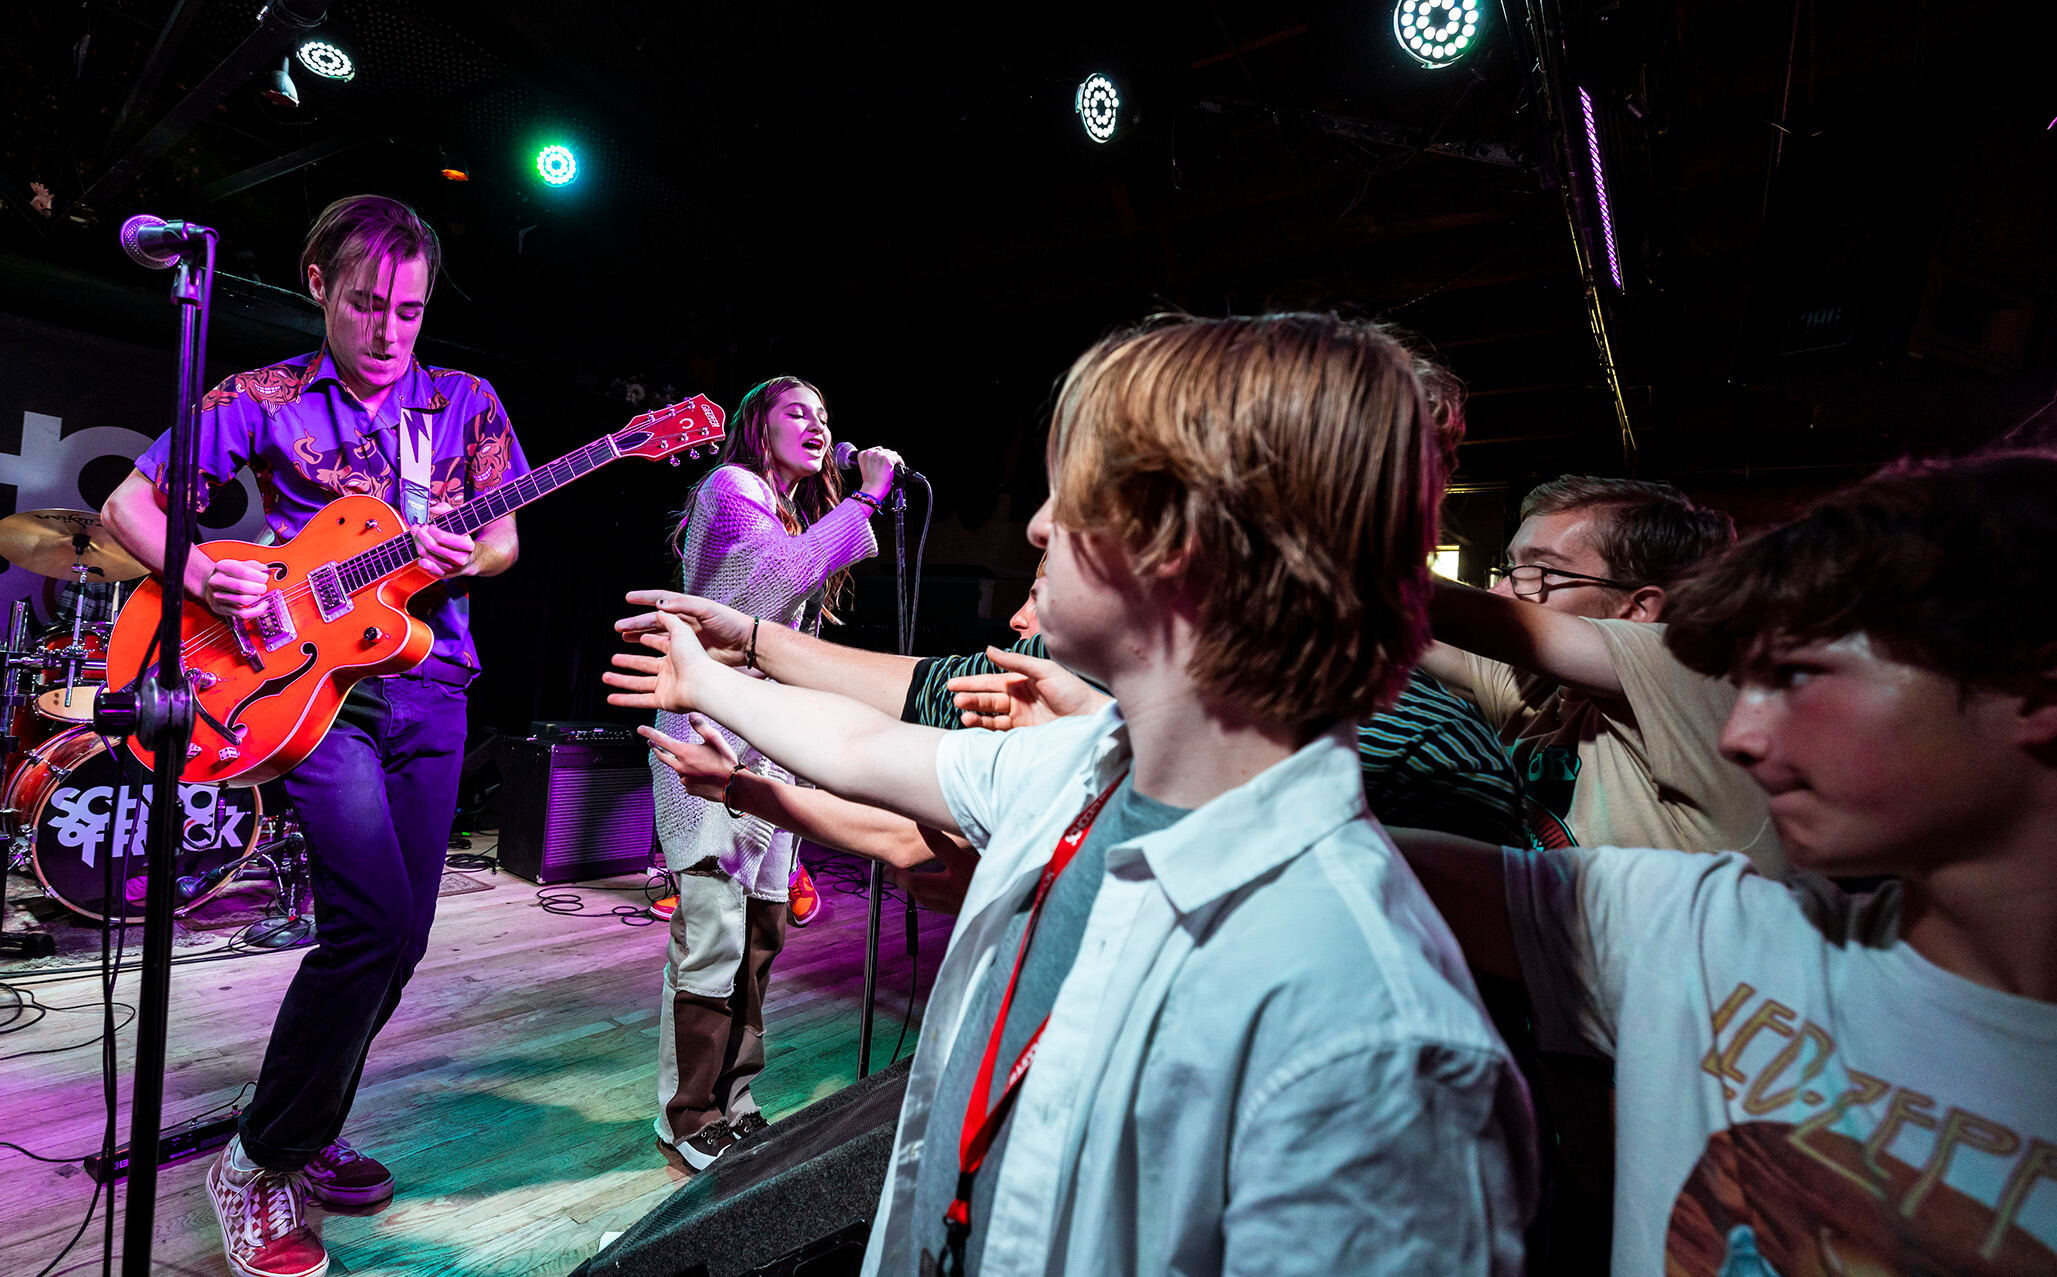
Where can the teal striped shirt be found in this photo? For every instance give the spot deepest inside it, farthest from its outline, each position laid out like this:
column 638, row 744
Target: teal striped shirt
column 1429, row 761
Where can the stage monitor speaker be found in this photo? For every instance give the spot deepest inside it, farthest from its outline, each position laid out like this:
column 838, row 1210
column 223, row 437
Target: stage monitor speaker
column 571, row 810
column 793, row 1200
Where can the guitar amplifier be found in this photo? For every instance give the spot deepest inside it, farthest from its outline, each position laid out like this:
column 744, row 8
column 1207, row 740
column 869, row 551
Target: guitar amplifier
column 575, row 809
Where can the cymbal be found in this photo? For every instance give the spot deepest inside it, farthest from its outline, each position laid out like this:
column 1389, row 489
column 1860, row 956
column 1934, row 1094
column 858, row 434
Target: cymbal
column 53, row 542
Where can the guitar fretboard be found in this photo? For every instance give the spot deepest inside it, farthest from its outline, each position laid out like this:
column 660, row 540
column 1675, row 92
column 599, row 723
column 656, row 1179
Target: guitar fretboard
column 392, row 555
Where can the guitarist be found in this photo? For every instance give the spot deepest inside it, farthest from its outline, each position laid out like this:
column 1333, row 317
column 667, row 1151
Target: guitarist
column 360, row 415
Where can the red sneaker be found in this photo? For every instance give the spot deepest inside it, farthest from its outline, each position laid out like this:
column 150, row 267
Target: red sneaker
column 341, row 1176
column 663, row 909
column 263, row 1216
column 803, row 902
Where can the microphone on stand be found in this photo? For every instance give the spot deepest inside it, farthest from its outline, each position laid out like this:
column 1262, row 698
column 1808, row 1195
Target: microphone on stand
column 158, row 244
column 845, row 457
column 191, row 887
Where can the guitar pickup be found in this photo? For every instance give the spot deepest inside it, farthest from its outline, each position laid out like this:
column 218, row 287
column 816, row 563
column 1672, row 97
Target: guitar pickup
column 274, row 623
column 330, row 598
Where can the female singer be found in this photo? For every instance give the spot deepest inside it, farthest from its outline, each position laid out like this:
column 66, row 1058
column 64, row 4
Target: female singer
column 769, row 533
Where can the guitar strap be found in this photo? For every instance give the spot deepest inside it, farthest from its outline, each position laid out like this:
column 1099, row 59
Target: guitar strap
column 417, row 448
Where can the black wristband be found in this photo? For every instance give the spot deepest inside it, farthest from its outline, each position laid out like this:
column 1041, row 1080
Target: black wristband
column 733, row 813
column 750, row 657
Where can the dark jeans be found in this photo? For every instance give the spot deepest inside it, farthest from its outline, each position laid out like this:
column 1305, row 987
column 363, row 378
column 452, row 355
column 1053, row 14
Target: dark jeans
column 375, row 800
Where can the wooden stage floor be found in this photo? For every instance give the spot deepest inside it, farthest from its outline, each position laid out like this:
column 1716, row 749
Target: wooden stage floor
column 512, row 1094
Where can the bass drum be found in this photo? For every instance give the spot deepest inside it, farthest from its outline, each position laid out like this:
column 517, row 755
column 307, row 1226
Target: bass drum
column 74, row 803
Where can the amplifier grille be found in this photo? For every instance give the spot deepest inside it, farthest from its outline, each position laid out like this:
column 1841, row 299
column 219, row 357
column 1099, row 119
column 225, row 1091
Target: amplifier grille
column 575, row 810
column 598, row 816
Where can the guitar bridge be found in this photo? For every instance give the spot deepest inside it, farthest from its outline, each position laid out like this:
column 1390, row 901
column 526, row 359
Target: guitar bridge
column 274, row 624
column 330, row 598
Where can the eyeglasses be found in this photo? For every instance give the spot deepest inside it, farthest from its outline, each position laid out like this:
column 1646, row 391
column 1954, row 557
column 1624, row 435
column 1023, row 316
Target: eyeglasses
column 1533, row 579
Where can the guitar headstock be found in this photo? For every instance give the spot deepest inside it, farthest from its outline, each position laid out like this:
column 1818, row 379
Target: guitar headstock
column 689, row 424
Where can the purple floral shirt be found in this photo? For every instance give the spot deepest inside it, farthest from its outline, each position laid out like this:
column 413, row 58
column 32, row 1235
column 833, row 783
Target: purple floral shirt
column 308, row 441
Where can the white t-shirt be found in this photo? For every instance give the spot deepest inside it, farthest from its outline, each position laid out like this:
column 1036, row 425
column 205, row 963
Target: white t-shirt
column 1798, row 1092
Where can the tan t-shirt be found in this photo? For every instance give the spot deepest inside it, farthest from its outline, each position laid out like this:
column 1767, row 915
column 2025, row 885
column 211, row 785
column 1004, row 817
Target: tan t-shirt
column 1648, row 770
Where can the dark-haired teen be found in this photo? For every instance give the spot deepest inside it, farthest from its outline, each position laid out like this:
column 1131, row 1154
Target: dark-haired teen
column 1613, row 739
column 1811, row 1082
column 360, row 415
column 769, row 532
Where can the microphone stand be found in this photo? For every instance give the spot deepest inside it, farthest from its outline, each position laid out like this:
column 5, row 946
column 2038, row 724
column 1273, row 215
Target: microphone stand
column 905, row 619
column 158, row 712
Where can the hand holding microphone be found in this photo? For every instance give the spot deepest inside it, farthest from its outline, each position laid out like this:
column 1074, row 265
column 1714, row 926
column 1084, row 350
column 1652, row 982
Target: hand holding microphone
column 879, row 468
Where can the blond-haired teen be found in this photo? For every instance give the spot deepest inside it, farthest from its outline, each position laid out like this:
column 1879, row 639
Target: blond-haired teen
column 1255, row 1045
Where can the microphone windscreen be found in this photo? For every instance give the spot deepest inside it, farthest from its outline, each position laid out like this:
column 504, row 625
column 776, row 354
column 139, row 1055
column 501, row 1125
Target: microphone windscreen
column 133, row 233
column 845, row 455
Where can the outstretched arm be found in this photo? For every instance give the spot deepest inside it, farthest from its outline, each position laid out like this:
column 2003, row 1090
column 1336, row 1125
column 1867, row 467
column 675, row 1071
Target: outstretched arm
column 793, row 658
column 708, row 769
column 840, row 744
column 1028, row 690
column 1468, row 886
column 1564, row 648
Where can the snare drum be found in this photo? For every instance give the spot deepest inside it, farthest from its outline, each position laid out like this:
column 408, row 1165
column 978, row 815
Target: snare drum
column 75, row 804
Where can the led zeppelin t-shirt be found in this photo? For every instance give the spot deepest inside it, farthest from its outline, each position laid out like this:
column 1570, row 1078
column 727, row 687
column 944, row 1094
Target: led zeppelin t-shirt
column 1800, row 1093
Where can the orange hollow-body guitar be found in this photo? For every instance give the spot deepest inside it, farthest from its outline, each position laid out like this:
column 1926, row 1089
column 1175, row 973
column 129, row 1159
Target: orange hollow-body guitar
column 267, row 688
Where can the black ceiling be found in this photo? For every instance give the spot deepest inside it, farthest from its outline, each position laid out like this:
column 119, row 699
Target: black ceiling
column 1835, row 218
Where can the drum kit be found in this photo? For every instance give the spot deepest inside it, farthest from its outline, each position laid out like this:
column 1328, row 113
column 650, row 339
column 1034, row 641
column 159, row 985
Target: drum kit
column 75, row 805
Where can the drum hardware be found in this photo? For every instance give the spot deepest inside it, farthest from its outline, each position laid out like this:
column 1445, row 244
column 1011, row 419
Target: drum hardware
column 295, row 884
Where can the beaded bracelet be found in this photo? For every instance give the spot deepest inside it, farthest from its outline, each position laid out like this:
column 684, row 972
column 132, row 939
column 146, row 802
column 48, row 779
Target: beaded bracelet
column 869, row 500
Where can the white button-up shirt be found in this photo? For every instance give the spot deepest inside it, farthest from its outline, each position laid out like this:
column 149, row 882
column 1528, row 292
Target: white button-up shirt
column 1268, row 1056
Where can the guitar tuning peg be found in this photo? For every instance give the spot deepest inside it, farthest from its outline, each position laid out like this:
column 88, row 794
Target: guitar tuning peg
column 674, row 461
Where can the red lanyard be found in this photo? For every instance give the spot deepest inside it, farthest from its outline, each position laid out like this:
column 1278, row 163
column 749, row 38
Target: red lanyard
column 982, row 1122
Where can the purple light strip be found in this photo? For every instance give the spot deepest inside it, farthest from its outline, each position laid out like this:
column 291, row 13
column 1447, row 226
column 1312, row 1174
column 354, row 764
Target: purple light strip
column 1585, row 100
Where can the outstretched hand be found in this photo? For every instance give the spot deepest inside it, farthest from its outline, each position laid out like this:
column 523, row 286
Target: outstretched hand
column 664, row 681
column 704, row 765
column 724, row 632
column 1027, row 691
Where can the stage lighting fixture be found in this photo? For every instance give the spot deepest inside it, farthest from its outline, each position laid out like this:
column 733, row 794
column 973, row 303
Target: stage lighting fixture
column 1436, row 33
column 1585, row 101
column 1099, row 106
column 556, row 165
column 327, row 61
column 279, row 89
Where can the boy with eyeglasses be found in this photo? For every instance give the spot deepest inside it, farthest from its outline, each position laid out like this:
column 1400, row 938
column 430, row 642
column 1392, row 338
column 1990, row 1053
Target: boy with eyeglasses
column 1613, row 738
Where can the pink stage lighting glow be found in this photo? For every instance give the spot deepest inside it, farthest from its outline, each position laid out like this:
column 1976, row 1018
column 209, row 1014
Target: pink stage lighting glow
column 1585, row 100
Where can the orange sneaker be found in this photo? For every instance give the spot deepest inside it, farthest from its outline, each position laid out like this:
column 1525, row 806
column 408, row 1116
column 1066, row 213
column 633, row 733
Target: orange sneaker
column 803, row 902
column 663, row 909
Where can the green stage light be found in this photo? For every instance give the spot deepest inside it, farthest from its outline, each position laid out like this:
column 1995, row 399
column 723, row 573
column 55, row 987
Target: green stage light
column 556, row 165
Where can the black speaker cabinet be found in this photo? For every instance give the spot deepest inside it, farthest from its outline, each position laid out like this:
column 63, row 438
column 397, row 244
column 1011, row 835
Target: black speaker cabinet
column 793, row 1200
column 571, row 810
